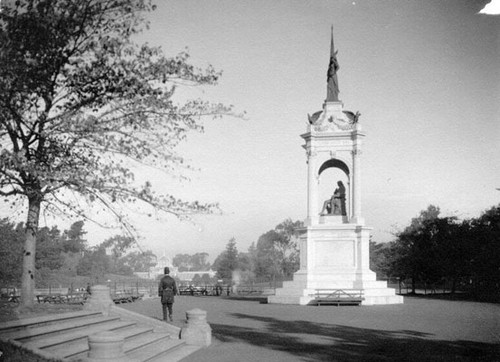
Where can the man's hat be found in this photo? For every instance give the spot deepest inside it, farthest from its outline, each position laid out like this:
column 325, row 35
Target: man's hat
column 166, row 270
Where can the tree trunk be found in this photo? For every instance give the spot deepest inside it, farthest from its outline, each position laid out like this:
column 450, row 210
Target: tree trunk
column 28, row 276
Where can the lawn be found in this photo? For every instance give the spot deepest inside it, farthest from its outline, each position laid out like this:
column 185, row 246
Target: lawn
column 422, row 329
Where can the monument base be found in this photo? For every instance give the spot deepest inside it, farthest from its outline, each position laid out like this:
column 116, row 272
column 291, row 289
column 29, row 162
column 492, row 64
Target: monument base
column 334, row 256
column 303, row 287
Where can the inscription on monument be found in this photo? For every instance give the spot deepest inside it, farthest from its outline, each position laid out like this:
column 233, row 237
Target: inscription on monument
column 338, row 253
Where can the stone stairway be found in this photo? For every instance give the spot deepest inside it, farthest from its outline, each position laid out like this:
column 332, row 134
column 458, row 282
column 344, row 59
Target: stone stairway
column 65, row 336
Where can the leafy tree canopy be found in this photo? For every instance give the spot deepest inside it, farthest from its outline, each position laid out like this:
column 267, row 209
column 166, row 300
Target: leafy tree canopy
column 434, row 248
column 227, row 262
column 277, row 251
column 82, row 106
column 196, row 262
column 72, row 239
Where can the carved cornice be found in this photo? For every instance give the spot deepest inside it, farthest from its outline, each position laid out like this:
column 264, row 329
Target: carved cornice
column 331, row 124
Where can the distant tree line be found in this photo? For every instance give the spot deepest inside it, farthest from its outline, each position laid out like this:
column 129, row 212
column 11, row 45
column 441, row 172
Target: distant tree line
column 65, row 254
column 275, row 256
column 196, row 262
column 434, row 249
column 62, row 255
column 431, row 250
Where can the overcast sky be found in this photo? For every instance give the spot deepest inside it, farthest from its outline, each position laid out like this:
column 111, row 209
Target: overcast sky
column 424, row 75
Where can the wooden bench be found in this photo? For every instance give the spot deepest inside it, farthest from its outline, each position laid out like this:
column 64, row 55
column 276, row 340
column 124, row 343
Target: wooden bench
column 50, row 298
column 73, row 298
column 125, row 297
column 76, row 298
column 5, row 299
column 338, row 296
column 249, row 290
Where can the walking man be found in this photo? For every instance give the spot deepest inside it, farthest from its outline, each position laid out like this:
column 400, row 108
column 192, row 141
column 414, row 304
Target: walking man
column 167, row 289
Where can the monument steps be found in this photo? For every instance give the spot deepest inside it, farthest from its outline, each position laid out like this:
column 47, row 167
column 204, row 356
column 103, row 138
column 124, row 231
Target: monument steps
column 301, row 291
column 66, row 336
column 381, row 300
column 78, row 348
column 371, row 284
column 156, row 350
column 44, row 320
column 382, row 292
column 340, row 275
column 73, row 337
column 42, row 330
column 293, row 287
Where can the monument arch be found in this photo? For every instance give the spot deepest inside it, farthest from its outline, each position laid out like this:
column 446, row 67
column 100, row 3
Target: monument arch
column 334, row 163
column 331, row 172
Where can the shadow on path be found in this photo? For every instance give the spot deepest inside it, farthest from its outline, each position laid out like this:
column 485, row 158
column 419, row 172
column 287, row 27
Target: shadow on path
column 326, row 342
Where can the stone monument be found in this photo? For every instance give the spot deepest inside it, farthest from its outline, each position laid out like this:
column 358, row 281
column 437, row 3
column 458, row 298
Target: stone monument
column 334, row 244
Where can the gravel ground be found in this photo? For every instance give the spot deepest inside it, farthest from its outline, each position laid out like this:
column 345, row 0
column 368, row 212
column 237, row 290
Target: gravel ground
column 419, row 330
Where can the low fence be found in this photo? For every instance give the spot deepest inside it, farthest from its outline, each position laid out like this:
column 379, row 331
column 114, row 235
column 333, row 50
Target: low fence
column 121, row 292
column 146, row 288
column 405, row 286
column 253, row 290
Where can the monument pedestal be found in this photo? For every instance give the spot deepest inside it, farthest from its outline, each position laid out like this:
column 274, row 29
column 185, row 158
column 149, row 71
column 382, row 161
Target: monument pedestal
column 334, row 255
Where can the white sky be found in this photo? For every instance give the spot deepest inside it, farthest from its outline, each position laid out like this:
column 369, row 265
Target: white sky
column 424, row 75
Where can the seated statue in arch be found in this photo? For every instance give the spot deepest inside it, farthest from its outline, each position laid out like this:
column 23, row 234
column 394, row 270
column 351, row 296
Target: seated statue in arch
column 336, row 204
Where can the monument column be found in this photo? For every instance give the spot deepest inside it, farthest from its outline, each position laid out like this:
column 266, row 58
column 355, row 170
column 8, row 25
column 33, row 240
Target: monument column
column 312, row 188
column 356, row 187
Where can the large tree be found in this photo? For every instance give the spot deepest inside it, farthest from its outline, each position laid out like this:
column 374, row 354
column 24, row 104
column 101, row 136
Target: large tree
column 139, row 261
column 277, row 253
column 430, row 249
column 413, row 253
column 82, row 105
column 227, row 262
column 485, row 255
column 72, row 239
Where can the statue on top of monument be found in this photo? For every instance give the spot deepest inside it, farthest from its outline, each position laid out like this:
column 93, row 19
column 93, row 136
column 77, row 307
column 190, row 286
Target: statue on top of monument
column 332, row 89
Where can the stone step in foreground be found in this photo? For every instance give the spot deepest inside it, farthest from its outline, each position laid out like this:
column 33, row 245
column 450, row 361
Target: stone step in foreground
column 104, row 332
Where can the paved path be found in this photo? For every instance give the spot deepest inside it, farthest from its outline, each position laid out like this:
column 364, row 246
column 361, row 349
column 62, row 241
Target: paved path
column 419, row 330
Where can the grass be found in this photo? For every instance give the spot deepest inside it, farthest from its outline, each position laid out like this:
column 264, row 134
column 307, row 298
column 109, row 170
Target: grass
column 12, row 311
column 11, row 353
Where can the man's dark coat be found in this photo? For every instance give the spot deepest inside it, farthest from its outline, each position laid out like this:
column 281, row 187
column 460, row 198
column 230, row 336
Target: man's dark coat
column 167, row 289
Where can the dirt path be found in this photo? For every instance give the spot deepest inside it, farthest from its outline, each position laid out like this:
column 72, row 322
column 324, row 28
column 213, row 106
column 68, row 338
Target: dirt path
column 419, row 330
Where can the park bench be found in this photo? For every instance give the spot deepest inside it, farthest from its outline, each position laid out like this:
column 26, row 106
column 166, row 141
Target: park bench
column 51, row 298
column 184, row 290
column 249, row 290
column 9, row 295
column 76, row 298
column 338, row 297
column 125, row 297
column 57, row 298
column 192, row 291
column 4, row 299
